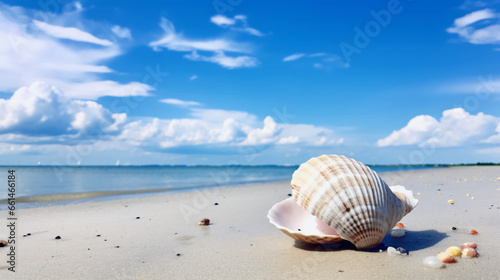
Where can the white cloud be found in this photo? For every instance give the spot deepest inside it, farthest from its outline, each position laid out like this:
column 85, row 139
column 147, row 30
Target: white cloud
column 41, row 110
column 293, row 57
column 470, row 29
column 94, row 90
column 70, row 33
column 225, row 22
column 35, row 56
column 192, row 78
column 224, row 60
column 482, row 87
column 221, row 20
column 494, row 139
column 176, row 42
column 455, row 128
column 178, row 102
column 121, row 32
column 173, row 41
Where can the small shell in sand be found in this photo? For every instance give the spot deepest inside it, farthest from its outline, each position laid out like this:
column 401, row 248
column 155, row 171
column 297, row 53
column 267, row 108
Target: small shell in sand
column 399, row 225
column 468, row 245
column 473, row 232
column 398, row 232
column 454, row 251
column 446, row 257
column 433, row 262
column 204, row 222
column 468, row 253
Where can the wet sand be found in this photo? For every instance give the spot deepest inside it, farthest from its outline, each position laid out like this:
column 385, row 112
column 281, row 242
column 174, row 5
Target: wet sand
column 158, row 237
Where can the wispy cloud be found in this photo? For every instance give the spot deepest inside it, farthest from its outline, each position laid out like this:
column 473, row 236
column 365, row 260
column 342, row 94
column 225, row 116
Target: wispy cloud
column 173, row 41
column 472, row 29
column 192, row 78
column 70, row 33
column 232, row 23
column 122, row 32
column 322, row 60
column 455, row 128
column 179, row 102
column 293, row 57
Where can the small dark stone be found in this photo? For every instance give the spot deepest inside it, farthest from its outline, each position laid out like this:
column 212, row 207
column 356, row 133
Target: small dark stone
column 88, row 249
column 1, row 244
column 24, row 235
column 58, row 237
column 117, row 246
column 216, row 203
column 178, row 255
column 98, row 235
column 105, row 240
column 439, row 190
column 340, row 270
column 137, row 218
column 251, row 244
column 299, row 229
column 454, row 228
column 403, row 251
column 289, row 194
column 28, row 234
column 175, row 233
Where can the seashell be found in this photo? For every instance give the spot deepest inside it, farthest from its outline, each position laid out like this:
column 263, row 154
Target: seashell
column 350, row 198
column 454, row 251
column 399, row 225
column 468, row 245
column 468, row 253
column 473, row 232
column 433, row 262
column 204, row 222
column 297, row 223
column 446, row 257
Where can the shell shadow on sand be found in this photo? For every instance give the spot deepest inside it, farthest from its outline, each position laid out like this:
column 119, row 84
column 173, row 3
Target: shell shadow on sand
column 412, row 241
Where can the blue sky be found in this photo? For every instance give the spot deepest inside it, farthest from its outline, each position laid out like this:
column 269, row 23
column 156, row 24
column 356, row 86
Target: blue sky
column 248, row 82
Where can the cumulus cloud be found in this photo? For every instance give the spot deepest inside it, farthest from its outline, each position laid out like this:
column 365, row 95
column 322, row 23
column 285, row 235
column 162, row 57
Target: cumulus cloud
column 41, row 110
column 122, row 32
column 455, row 128
column 178, row 102
column 237, row 23
column 474, row 29
column 174, row 41
column 60, row 56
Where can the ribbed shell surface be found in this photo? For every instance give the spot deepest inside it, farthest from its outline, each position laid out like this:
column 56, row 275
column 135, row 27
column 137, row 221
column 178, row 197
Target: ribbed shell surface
column 348, row 196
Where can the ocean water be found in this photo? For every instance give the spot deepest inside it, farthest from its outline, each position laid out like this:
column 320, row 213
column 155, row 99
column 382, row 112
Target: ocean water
column 44, row 185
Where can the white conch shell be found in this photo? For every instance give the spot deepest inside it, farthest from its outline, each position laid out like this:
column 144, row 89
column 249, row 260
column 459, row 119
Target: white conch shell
column 297, row 223
column 351, row 198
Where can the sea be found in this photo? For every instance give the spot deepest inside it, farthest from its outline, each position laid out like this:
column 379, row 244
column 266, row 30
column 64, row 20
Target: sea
column 36, row 186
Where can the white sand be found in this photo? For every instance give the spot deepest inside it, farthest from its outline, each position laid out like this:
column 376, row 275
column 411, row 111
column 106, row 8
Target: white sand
column 241, row 243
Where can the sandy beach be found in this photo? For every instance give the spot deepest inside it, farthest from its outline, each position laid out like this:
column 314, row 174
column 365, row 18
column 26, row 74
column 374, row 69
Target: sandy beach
column 158, row 237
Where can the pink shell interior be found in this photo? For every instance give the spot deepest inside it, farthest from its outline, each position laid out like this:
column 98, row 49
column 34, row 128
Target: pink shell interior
column 289, row 217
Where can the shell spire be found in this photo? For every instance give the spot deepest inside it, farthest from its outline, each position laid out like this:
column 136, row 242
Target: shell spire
column 351, row 198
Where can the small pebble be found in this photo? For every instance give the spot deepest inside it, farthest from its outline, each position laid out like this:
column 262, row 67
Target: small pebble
column 451, row 201
column 28, row 234
column 204, row 222
column 391, row 251
column 446, row 257
column 58, row 237
column 403, row 251
column 454, row 251
column 433, row 262
column 398, row 232
column 473, row 232
column 469, row 245
column 216, row 203
column 472, row 197
column 289, row 194
column 98, row 235
column 468, row 253
column 454, row 228
column 399, row 225
column 3, row 243
column 137, row 218
column 117, row 246
column 468, row 194
column 178, row 255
